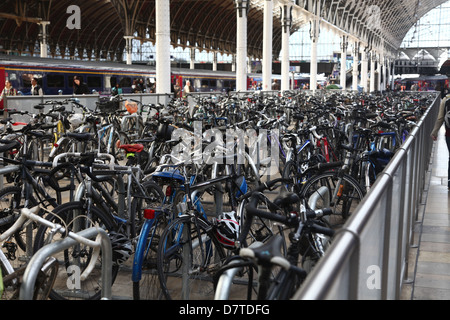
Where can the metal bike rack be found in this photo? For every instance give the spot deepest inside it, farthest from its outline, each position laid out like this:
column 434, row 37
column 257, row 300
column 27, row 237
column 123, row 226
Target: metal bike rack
column 321, row 194
column 38, row 259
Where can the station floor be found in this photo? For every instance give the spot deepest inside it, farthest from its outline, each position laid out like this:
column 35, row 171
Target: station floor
column 428, row 275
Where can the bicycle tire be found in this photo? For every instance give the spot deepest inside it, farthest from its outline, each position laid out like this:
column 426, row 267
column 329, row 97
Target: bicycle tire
column 153, row 198
column 12, row 198
column 46, row 279
column 291, row 173
column 119, row 138
column 12, row 283
column 235, row 276
column 145, row 274
column 322, row 188
column 188, row 251
column 260, row 229
column 78, row 255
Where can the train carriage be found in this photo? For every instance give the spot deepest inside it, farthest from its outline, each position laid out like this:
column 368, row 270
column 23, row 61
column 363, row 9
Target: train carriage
column 56, row 75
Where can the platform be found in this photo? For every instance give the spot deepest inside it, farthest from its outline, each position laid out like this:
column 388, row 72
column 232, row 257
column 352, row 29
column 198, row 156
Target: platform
column 429, row 267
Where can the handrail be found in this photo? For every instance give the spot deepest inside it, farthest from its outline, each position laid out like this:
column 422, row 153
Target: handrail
column 368, row 258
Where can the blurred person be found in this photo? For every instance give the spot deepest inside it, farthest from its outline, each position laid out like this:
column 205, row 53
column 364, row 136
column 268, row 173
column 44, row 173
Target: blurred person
column 36, row 89
column 79, row 87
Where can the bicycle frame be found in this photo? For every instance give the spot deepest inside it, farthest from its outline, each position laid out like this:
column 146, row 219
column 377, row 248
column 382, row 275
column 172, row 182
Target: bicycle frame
column 108, row 131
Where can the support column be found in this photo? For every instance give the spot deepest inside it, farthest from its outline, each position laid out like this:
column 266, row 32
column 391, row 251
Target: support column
column 162, row 46
column 373, row 58
column 343, row 73
column 355, row 72
column 364, row 69
column 380, row 71
column 43, row 42
column 267, row 46
column 241, row 45
column 192, row 56
column 286, row 22
column 392, row 73
column 388, row 71
column 214, row 66
column 233, row 63
column 129, row 48
column 315, row 29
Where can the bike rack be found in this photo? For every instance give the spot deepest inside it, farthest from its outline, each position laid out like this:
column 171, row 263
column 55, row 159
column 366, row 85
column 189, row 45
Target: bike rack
column 321, row 193
column 38, row 259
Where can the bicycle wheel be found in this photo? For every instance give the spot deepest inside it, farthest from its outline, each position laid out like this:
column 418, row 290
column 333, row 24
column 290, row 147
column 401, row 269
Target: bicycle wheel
column 46, row 279
column 68, row 285
column 119, row 138
column 11, row 282
column 38, row 149
column 261, row 229
column 153, row 198
column 188, row 256
column 329, row 190
column 145, row 278
column 292, row 173
column 11, row 200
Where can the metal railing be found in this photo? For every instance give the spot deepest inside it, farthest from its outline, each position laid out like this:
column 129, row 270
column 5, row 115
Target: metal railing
column 369, row 255
column 27, row 102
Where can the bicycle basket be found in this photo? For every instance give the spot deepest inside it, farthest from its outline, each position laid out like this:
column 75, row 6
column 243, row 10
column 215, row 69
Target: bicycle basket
column 105, row 105
column 131, row 107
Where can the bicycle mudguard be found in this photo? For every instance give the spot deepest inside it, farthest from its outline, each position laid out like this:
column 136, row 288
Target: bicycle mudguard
column 141, row 248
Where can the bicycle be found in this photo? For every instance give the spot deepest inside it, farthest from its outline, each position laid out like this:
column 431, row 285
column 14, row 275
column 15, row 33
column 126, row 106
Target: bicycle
column 307, row 239
column 110, row 135
column 121, row 217
column 12, row 276
column 192, row 247
column 31, row 187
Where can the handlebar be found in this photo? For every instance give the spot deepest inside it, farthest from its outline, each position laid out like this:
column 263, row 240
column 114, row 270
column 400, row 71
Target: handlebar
column 84, row 154
column 290, row 220
column 31, row 214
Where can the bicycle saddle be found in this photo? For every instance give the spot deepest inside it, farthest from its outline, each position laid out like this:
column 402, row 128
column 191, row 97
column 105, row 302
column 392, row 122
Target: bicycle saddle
column 8, row 145
column 146, row 140
column 80, row 136
column 132, row 148
column 266, row 252
column 286, row 198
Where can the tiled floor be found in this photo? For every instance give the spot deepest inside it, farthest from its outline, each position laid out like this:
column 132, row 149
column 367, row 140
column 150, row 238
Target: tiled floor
column 430, row 260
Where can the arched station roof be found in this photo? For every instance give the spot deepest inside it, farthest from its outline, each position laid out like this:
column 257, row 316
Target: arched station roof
column 205, row 24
